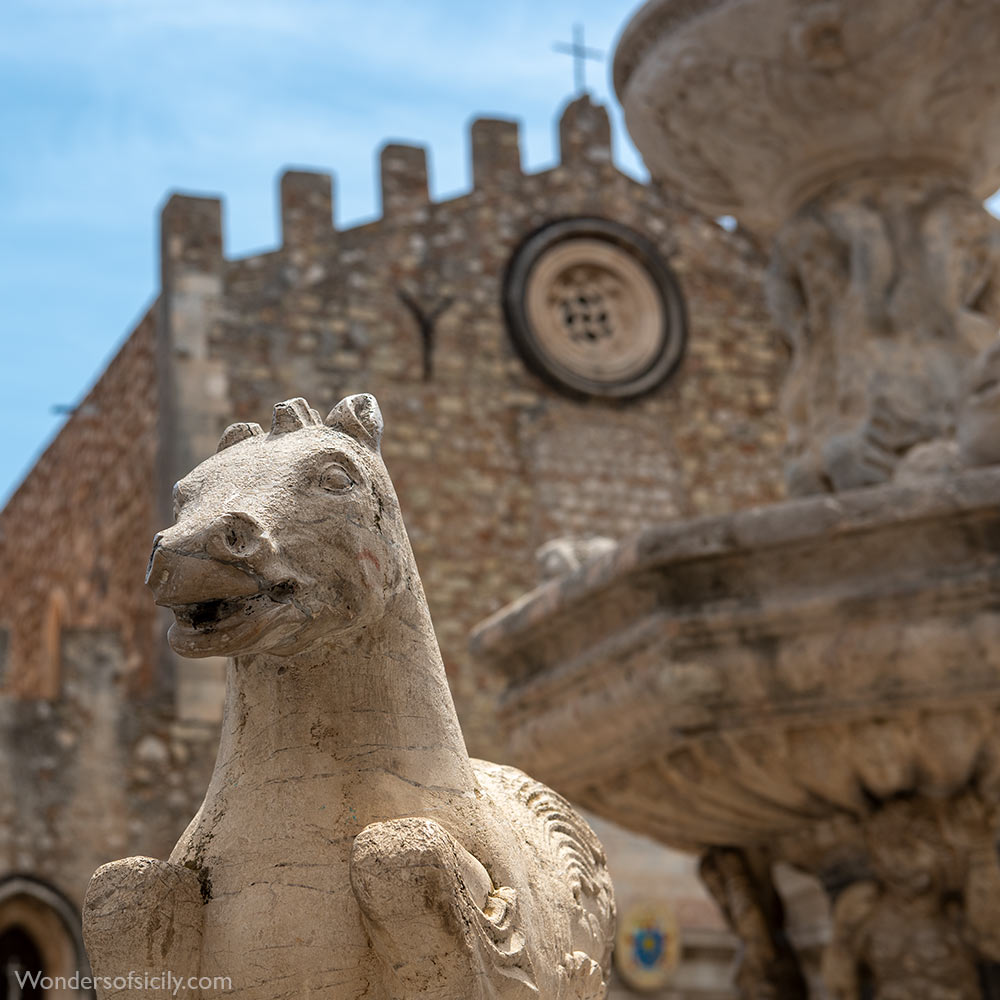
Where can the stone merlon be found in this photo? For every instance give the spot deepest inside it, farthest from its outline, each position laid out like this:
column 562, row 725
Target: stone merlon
column 496, row 151
column 403, row 170
column 306, row 207
column 191, row 236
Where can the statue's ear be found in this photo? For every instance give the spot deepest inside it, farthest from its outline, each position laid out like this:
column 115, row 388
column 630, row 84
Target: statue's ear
column 235, row 433
column 360, row 417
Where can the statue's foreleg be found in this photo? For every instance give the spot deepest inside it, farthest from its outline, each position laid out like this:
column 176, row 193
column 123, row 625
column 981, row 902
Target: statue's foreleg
column 142, row 923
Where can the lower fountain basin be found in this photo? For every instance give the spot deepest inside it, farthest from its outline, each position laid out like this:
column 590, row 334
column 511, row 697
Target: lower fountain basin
column 768, row 676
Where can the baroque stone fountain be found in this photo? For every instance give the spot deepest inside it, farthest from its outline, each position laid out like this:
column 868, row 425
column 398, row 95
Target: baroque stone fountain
column 815, row 682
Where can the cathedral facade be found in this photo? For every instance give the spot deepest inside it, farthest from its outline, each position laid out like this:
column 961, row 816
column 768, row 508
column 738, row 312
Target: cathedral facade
column 562, row 358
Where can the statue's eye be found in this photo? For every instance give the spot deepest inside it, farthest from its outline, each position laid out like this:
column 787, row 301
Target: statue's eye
column 336, row 479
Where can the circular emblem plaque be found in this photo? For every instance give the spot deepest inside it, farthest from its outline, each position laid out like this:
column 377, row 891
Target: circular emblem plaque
column 594, row 309
column 647, row 945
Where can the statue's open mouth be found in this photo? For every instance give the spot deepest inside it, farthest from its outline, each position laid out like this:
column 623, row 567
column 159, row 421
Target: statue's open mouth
column 205, row 616
column 217, row 625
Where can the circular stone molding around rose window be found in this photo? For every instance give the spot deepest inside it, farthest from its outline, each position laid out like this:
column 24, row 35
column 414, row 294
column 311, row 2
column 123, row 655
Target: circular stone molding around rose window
column 594, row 309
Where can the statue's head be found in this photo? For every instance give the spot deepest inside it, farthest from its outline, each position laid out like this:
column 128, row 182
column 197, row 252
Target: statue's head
column 285, row 538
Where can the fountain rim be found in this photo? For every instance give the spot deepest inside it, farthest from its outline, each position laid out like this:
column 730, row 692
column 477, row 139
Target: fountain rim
column 758, row 528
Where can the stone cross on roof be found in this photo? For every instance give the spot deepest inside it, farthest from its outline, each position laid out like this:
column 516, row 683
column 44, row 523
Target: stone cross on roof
column 580, row 54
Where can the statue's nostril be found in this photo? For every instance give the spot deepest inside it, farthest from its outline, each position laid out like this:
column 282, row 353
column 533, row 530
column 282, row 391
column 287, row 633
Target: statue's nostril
column 239, row 534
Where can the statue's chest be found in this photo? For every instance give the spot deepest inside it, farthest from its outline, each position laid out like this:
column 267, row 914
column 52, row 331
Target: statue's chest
column 281, row 918
column 275, row 937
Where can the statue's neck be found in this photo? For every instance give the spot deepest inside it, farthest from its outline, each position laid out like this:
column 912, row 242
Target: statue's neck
column 371, row 710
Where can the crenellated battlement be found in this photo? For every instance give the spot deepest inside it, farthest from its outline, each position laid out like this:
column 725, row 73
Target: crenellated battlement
column 191, row 226
column 584, row 133
column 404, row 185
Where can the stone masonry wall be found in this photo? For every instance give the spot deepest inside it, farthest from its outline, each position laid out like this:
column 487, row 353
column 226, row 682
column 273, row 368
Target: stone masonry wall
column 488, row 459
column 75, row 538
column 91, row 765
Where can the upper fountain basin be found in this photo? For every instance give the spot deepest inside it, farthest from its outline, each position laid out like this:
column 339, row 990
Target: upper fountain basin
column 751, row 107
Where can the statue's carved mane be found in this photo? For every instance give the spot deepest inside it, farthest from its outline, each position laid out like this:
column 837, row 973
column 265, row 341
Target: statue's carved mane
column 359, row 416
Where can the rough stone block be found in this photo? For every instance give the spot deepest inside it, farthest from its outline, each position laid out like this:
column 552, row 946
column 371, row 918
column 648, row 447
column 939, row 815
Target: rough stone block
column 306, row 207
column 190, row 236
column 403, row 172
column 496, row 151
column 584, row 133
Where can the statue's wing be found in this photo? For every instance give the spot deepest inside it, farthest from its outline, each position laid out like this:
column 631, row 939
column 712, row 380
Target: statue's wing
column 568, row 851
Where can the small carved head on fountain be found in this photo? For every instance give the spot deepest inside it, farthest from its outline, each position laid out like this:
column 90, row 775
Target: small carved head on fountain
column 908, row 852
column 283, row 538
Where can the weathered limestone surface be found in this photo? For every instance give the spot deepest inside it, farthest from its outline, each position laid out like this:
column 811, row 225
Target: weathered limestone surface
column 563, row 555
column 347, row 845
column 753, row 106
column 926, row 918
column 888, row 291
column 742, row 884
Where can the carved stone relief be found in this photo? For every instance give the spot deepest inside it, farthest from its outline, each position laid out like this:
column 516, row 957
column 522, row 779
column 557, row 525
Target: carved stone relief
column 752, row 109
column 888, row 294
column 740, row 882
column 862, row 138
column 929, row 914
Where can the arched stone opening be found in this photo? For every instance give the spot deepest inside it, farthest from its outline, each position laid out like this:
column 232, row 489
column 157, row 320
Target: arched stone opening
column 40, row 934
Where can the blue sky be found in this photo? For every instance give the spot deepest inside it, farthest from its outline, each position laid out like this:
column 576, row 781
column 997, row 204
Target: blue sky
column 109, row 104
